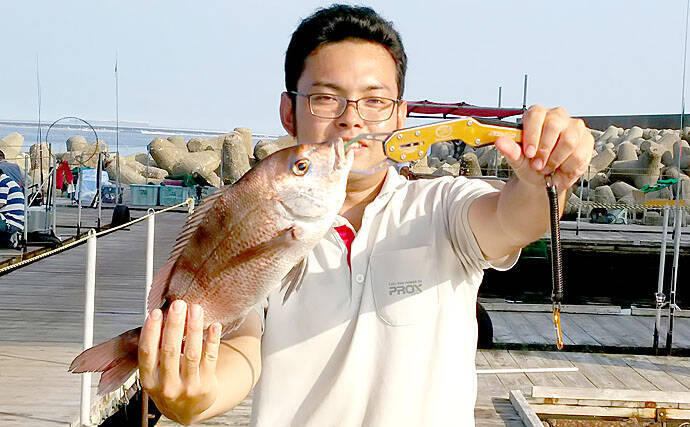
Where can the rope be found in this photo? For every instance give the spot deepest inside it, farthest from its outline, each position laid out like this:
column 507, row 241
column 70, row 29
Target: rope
column 671, row 204
column 66, row 246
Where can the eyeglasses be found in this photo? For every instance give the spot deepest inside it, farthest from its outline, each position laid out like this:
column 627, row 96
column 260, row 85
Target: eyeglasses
column 329, row 106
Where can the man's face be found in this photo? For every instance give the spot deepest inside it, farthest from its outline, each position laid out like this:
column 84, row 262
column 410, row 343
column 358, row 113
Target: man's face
column 354, row 69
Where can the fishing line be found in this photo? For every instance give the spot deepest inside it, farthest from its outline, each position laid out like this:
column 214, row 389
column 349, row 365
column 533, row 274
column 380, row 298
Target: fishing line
column 378, row 138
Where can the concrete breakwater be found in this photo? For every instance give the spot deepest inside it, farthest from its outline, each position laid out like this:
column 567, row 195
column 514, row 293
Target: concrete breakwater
column 224, row 158
column 625, row 168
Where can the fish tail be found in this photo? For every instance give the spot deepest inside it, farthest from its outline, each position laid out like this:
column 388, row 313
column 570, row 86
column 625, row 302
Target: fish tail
column 115, row 358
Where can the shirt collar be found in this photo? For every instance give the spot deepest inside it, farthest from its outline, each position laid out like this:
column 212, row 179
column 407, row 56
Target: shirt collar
column 391, row 183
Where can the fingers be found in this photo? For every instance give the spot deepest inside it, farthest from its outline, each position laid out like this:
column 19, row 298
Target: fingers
column 532, row 123
column 572, row 168
column 171, row 345
column 193, row 344
column 556, row 144
column 548, row 126
column 148, row 348
column 510, row 149
column 208, row 362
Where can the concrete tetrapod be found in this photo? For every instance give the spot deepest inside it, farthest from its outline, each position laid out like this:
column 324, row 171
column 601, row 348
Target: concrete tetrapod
column 643, row 171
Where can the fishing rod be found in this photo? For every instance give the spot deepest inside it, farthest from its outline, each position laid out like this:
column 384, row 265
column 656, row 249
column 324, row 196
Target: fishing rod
column 412, row 143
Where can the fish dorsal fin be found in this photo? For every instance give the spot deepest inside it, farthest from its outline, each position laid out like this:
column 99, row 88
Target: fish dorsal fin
column 160, row 283
column 192, row 224
column 293, row 280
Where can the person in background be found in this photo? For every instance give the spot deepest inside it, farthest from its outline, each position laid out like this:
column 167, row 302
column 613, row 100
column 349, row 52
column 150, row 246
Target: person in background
column 11, row 170
column 11, row 211
column 64, row 178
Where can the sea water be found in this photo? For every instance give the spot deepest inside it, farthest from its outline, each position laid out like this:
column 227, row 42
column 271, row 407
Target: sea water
column 126, row 140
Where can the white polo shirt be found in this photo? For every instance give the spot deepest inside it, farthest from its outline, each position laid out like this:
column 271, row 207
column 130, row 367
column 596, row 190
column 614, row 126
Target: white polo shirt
column 391, row 341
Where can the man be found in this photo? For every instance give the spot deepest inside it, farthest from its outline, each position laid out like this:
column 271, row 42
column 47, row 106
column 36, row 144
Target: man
column 11, row 211
column 11, row 170
column 383, row 328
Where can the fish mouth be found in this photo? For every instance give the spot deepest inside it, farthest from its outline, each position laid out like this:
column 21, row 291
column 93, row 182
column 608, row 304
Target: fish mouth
column 294, row 206
column 343, row 160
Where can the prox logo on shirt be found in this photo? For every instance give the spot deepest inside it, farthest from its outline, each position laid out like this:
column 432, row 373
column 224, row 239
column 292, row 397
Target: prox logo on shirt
column 411, row 287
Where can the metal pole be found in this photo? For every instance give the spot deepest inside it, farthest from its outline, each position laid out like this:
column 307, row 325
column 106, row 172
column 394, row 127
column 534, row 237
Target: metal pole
column 85, row 412
column 679, row 213
column 524, row 95
column 38, row 135
column 26, row 200
column 148, row 157
column 500, row 90
column 579, row 207
column 80, row 179
column 674, row 280
column 659, row 296
column 117, row 135
column 150, row 231
column 149, row 258
column 99, row 169
column 54, row 191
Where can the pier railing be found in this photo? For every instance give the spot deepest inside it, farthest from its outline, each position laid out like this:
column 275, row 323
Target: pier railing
column 91, row 239
column 90, row 288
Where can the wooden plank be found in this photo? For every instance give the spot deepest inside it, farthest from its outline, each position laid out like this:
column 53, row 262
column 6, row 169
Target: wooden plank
column 502, row 359
column 595, row 373
column 556, row 359
column 517, row 329
column 610, row 394
column 573, row 332
column 502, row 330
column 642, row 311
column 497, row 411
column 595, row 411
column 654, row 373
column 615, row 365
column 488, row 385
column 543, row 325
column 525, row 359
column 548, row 308
column 527, row 414
column 677, row 367
column 607, row 330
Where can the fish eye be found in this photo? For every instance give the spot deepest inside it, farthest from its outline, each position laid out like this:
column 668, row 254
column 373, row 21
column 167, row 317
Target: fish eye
column 301, row 167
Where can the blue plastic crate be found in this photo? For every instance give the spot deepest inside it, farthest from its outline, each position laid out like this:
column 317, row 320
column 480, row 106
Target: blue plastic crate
column 171, row 195
column 207, row 191
column 144, row 195
column 108, row 193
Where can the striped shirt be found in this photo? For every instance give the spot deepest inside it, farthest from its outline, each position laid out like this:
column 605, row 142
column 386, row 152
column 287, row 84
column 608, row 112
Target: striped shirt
column 12, row 202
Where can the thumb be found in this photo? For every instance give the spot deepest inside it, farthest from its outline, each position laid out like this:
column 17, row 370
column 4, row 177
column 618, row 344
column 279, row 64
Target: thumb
column 512, row 151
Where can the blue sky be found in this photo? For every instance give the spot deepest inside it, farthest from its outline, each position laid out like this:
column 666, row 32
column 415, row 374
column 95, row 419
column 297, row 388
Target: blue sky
column 218, row 64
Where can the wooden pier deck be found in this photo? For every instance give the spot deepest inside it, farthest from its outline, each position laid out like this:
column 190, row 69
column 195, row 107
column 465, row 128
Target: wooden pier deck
column 41, row 325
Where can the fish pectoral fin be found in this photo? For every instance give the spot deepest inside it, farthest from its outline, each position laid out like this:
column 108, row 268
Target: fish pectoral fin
column 293, row 280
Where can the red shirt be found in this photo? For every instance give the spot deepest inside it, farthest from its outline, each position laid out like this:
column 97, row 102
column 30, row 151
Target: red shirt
column 348, row 236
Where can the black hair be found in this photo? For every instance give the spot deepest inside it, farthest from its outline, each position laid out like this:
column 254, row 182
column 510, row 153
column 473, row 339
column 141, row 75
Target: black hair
column 336, row 23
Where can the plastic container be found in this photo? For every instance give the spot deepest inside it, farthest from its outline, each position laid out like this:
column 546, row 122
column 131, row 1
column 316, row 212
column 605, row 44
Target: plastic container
column 207, row 191
column 171, row 195
column 108, row 192
column 144, row 195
